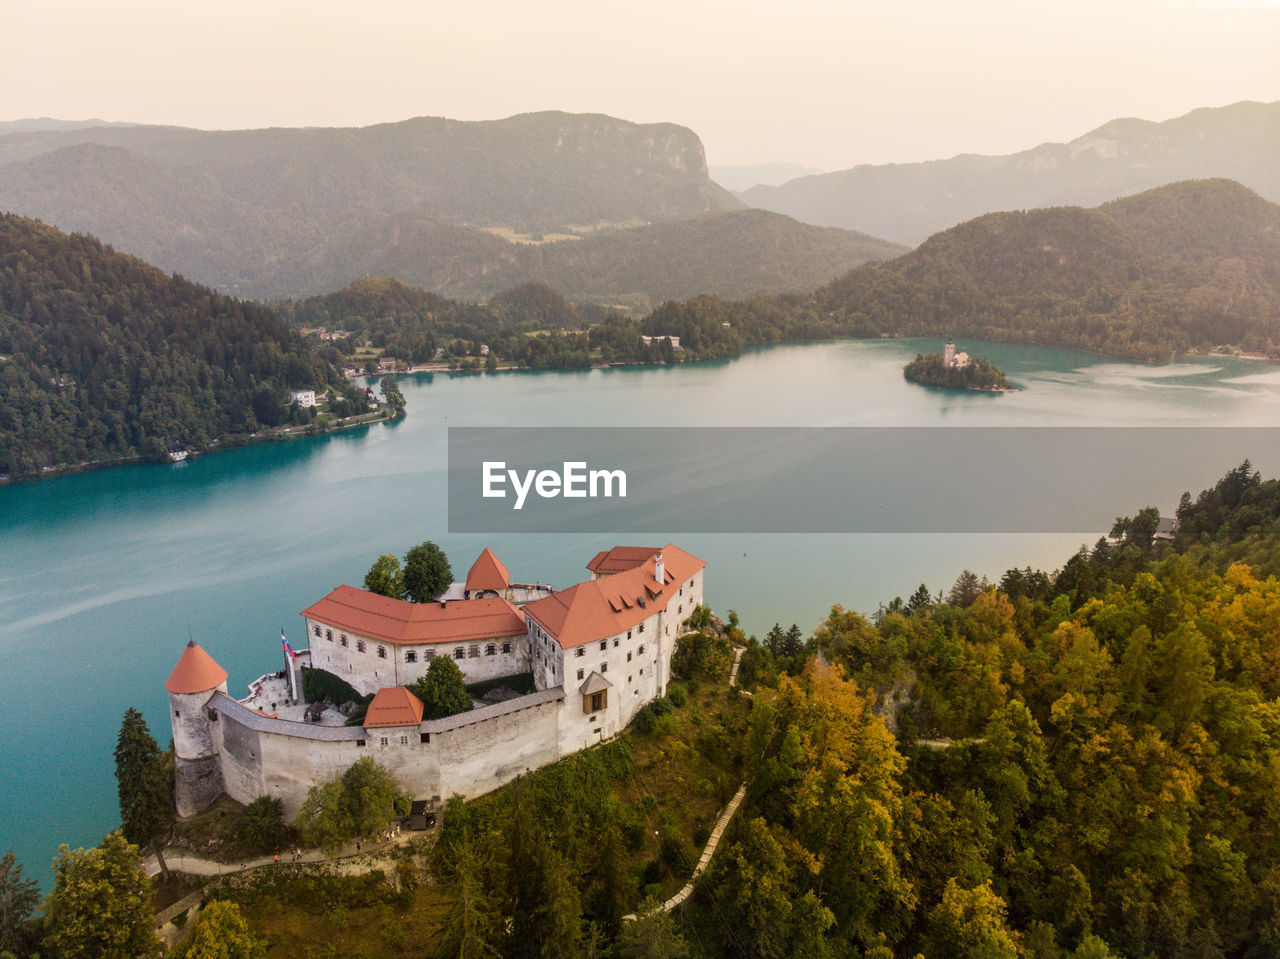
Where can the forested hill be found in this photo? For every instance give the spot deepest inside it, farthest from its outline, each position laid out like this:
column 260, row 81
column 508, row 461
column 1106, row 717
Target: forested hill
column 736, row 254
column 253, row 212
column 103, row 357
column 906, row 202
column 1186, row 266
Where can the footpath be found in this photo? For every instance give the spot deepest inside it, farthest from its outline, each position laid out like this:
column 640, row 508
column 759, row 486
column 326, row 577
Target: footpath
column 726, row 816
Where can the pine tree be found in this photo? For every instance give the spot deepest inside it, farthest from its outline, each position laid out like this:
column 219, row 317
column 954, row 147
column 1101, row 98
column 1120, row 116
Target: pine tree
column 471, row 930
column 18, row 900
column 145, row 787
column 612, row 881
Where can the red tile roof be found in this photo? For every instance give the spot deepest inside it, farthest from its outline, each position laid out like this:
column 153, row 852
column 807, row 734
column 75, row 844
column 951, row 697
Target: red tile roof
column 396, row 621
column 395, row 706
column 196, row 672
column 487, row 572
column 620, row 559
column 612, row 604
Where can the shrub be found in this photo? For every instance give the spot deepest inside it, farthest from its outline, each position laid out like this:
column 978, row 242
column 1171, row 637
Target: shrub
column 652, row 874
column 677, row 853
column 318, row 684
column 678, row 697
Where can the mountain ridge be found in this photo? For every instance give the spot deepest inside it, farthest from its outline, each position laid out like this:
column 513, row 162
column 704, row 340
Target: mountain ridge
column 908, row 202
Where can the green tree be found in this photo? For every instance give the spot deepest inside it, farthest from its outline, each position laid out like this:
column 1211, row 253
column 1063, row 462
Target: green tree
column 471, row 930
column 18, row 900
column 613, row 881
column 426, row 572
column 391, row 393
column 100, row 906
column 385, row 577
column 652, row 935
column 441, row 689
column 558, row 921
column 358, row 804
column 144, row 782
column 920, row 599
column 220, row 932
column 261, row 825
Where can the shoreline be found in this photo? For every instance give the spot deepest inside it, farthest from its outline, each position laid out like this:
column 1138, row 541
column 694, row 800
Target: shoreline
column 279, row 435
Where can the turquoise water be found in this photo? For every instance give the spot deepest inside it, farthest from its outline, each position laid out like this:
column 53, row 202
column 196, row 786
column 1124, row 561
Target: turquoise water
column 104, row 575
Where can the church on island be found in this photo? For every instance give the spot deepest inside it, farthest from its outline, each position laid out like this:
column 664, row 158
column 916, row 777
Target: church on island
column 598, row 651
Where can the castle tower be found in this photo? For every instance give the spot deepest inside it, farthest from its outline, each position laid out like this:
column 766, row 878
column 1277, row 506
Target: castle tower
column 949, row 354
column 198, row 772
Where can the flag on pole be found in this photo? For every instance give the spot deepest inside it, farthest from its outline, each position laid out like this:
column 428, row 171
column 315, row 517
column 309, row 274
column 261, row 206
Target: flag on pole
column 287, row 648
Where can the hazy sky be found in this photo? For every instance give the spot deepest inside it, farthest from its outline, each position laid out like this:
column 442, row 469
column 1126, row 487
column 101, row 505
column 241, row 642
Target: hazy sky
column 827, row 83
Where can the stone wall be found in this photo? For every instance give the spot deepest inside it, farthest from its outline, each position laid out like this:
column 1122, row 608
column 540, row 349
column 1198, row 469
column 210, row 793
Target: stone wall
column 470, row 754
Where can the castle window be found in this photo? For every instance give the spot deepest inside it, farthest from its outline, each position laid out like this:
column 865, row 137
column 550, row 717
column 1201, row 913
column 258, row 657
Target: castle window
column 344, row 640
column 404, row 740
column 641, row 649
column 431, row 654
column 359, row 645
column 616, row 642
column 473, row 652
column 384, row 740
column 382, row 652
column 579, row 674
column 640, row 629
column 424, row 737
column 491, row 650
column 604, row 667
column 628, row 634
column 315, row 630
column 359, row 742
column 328, row 634
column 176, row 713
column 459, row 653
column 411, row 657
column 580, row 651
column 642, row 671
column 628, row 657
column 506, row 647
column 604, row 644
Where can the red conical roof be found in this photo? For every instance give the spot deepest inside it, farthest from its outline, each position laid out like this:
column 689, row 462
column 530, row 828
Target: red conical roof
column 488, row 572
column 196, row 672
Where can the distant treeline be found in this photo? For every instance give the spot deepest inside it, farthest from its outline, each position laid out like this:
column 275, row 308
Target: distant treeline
column 105, row 358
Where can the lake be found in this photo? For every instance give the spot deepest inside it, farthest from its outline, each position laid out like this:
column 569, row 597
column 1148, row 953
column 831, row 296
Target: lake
column 104, row 575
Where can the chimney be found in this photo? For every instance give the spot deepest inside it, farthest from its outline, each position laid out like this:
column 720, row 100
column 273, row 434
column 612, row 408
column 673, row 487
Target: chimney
column 657, row 570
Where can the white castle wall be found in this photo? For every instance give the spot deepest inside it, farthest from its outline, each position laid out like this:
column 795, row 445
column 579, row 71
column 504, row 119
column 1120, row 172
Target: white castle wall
column 360, row 663
column 469, row 754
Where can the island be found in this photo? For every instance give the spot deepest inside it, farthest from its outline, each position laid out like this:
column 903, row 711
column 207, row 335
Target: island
column 956, row 371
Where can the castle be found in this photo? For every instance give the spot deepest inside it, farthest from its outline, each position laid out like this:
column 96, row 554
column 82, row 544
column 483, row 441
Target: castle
column 598, row 652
